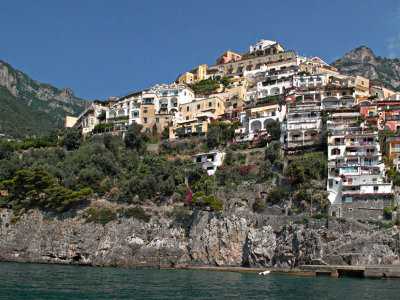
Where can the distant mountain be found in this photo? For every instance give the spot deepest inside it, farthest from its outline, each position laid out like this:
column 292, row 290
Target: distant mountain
column 30, row 108
column 362, row 61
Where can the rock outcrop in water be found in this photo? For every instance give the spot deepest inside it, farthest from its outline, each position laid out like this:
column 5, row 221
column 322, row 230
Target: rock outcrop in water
column 206, row 239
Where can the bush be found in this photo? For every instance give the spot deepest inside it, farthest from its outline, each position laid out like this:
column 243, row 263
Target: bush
column 258, row 206
column 72, row 139
column 136, row 212
column 273, row 151
column 180, row 215
column 101, row 216
column 201, row 200
column 276, row 195
column 388, row 211
column 306, row 167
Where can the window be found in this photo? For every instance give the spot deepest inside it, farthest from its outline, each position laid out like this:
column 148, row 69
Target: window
column 198, row 106
column 329, row 94
column 187, row 108
column 289, row 55
column 209, row 104
column 92, row 121
column 145, row 109
column 157, row 120
column 145, row 120
column 187, row 118
column 376, row 188
column 348, row 199
column 166, row 120
column 135, row 114
column 218, row 104
column 371, row 113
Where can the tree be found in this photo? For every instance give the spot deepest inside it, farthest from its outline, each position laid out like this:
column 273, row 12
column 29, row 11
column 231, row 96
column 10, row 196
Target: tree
column 274, row 129
column 273, row 151
column 225, row 81
column 135, row 138
column 6, row 150
column 72, row 139
column 165, row 133
column 102, row 116
column 213, row 137
column 229, row 158
column 60, row 199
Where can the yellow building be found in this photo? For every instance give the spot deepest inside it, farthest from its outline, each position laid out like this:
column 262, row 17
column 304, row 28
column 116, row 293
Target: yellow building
column 196, row 115
column 186, row 78
column 200, row 72
column 197, row 74
column 239, row 81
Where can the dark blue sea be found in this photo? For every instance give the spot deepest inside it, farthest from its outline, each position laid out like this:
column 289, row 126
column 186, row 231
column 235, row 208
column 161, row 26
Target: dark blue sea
column 35, row 281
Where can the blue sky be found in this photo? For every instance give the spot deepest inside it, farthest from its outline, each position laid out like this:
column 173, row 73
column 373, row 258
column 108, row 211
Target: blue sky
column 107, row 48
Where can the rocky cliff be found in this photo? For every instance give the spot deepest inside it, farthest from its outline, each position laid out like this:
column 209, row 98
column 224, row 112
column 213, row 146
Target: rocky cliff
column 30, row 106
column 204, row 239
column 362, row 61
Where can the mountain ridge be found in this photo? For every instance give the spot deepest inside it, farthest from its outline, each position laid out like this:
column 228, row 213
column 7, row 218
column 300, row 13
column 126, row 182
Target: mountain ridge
column 29, row 107
column 362, row 61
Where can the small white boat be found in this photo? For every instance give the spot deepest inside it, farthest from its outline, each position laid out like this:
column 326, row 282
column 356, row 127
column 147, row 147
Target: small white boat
column 264, row 273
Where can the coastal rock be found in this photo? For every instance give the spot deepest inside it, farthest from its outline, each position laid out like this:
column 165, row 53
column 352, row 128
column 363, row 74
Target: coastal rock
column 209, row 239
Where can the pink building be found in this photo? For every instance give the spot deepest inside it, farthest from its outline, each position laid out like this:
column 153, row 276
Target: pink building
column 228, row 56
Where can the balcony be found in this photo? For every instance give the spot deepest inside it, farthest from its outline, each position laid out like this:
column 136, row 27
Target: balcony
column 300, row 127
column 369, row 154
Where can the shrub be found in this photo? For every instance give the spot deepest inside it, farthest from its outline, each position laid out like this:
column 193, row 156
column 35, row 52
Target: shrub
column 307, row 166
column 136, row 212
column 258, row 206
column 180, row 215
column 276, row 195
column 101, row 216
column 201, row 200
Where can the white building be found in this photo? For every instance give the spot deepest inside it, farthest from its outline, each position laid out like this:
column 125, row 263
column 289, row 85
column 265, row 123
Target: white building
column 263, row 45
column 87, row 120
column 355, row 170
column 209, row 161
column 272, row 87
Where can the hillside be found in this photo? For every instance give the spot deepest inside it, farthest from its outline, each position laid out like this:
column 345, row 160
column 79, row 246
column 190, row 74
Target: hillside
column 362, row 61
column 30, row 108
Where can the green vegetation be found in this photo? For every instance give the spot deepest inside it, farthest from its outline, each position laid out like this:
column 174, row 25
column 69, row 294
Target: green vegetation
column 136, row 212
column 102, row 216
column 276, row 195
column 103, row 127
column 40, row 189
column 274, row 129
column 225, row 81
column 307, row 166
column 205, row 86
column 202, row 201
column 305, row 220
column 258, row 206
column 219, row 133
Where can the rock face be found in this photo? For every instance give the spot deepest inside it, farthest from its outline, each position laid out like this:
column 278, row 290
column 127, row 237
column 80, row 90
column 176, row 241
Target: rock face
column 362, row 61
column 207, row 239
column 29, row 98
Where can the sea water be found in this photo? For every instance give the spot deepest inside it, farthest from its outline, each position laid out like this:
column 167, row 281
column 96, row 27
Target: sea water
column 39, row 281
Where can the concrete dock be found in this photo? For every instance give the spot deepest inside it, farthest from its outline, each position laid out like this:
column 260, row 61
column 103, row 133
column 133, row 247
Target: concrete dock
column 368, row 271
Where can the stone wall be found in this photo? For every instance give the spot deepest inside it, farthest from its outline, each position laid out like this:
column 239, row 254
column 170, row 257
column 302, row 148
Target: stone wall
column 364, row 210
